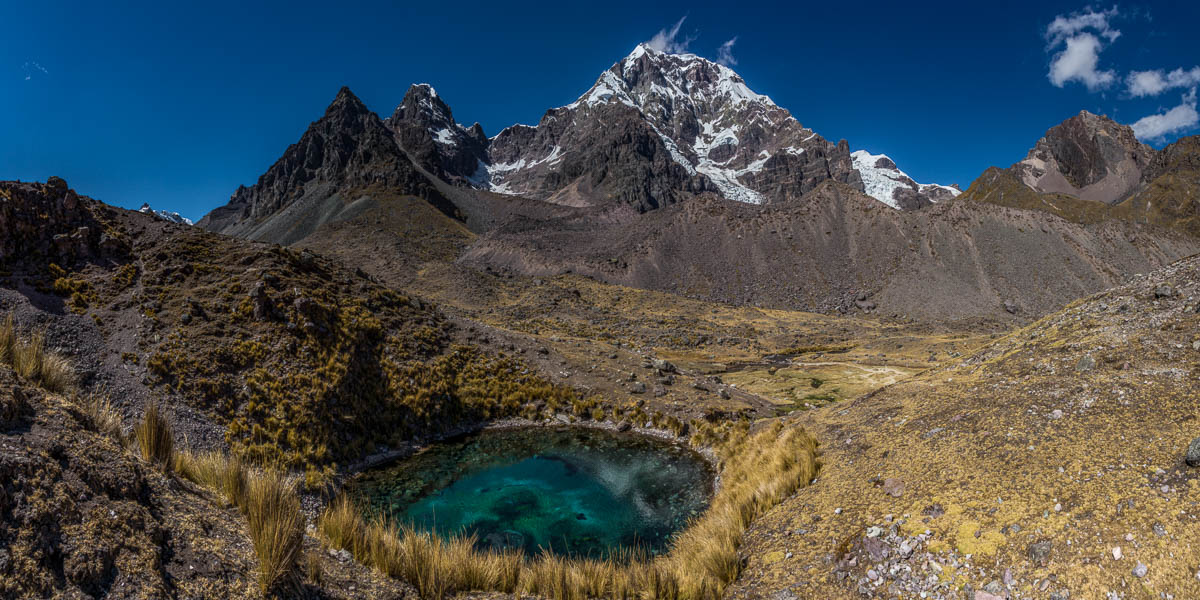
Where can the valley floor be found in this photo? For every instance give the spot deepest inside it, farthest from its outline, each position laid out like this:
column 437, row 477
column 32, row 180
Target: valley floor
column 1036, row 462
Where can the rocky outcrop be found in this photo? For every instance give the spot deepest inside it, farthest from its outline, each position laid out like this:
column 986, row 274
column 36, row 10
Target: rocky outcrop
column 1088, row 156
column 50, row 222
column 347, row 148
column 616, row 158
column 1168, row 195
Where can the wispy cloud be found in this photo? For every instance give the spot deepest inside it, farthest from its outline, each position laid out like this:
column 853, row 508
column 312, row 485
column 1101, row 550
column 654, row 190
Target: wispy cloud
column 1067, row 26
column 665, row 40
column 32, row 68
column 1176, row 120
column 725, row 53
column 1079, row 34
column 1153, row 83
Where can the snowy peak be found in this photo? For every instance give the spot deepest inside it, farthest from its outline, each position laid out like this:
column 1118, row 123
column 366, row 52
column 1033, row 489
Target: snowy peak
column 701, row 116
column 647, row 77
column 654, row 128
column 173, row 217
column 885, row 182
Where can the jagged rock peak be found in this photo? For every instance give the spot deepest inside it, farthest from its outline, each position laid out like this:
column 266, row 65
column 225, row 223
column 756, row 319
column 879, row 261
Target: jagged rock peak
column 345, row 102
column 715, row 133
column 424, row 126
column 348, row 147
column 1088, row 156
column 647, row 73
column 422, row 103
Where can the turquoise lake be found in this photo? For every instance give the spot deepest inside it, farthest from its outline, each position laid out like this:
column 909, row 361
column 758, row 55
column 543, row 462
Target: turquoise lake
column 569, row 491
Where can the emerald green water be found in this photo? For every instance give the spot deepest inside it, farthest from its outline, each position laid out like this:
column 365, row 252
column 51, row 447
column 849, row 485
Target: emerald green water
column 569, row 491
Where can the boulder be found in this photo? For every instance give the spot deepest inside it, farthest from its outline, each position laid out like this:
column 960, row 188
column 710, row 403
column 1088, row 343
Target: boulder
column 1192, row 458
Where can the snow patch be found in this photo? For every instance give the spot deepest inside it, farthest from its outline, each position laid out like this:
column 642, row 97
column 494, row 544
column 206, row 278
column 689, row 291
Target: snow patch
column 444, row 136
column 881, row 183
column 173, row 217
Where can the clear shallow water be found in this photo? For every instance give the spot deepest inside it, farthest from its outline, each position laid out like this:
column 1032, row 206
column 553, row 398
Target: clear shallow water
column 570, row 491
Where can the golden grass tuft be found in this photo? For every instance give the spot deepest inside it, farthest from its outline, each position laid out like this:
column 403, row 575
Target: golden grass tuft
column 269, row 500
column 32, row 361
column 435, row 566
column 104, row 419
column 155, row 439
column 276, row 529
column 758, row 472
column 216, row 470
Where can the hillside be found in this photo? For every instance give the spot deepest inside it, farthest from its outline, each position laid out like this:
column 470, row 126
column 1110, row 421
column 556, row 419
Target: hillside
column 277, row 354
column 836, row 249
column 1050, row 462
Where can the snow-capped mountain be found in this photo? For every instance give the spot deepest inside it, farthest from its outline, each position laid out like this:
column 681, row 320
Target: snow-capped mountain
column 173, row 217
column 653, row 129
column 719, row 134
column 885, row 182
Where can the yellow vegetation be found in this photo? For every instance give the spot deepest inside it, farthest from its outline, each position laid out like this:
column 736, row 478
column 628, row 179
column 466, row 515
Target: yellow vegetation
column 154, row 438
column 30, row 359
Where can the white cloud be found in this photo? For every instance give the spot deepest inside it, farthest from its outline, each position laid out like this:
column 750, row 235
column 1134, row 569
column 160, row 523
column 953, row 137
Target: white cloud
column 1178, row 119
column 664, row 40
column 1063, row 27
column 1153, row 83
column 725, row 53
column 1079, row 60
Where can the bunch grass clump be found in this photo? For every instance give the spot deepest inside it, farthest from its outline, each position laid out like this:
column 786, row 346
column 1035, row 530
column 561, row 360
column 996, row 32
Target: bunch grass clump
column 269, row 500
column 101, row 414
column 758, row 472
column 276, row 526
column 155, row 439
column 218, row 471
column 32, row 361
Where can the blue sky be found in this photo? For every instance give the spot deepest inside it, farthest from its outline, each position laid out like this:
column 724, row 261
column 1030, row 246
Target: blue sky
column 178, row 105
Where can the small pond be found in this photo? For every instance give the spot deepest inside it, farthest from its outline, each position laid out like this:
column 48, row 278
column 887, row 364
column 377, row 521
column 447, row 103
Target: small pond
column 570, row 491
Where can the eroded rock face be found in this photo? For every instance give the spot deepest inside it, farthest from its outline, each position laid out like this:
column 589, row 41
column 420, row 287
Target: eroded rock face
column 1087, row 156
column 50, row 222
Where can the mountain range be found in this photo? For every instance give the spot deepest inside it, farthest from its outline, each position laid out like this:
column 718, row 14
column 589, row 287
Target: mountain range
column 670, row 173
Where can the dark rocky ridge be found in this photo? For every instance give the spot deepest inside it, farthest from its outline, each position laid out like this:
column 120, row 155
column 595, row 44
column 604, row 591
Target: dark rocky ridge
column 348, row 147
column 693, row 122
column 49, row 221
column 654, row 129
